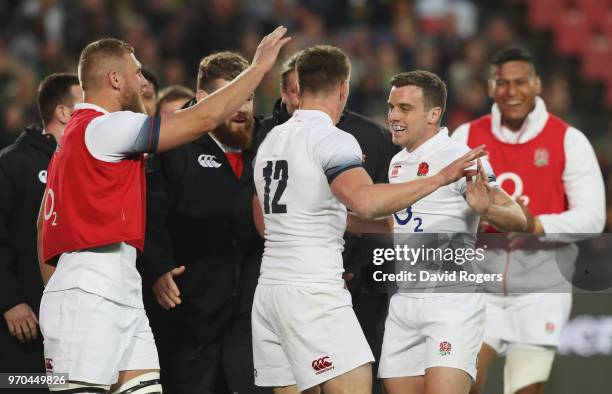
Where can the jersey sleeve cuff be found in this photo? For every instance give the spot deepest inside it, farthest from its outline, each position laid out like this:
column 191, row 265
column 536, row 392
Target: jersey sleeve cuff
column 148, row 137
column 332, row 173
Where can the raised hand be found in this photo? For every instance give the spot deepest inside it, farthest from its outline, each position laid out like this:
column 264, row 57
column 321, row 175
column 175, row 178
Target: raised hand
column 478, row 194
column 459, row 168
column 269, row 47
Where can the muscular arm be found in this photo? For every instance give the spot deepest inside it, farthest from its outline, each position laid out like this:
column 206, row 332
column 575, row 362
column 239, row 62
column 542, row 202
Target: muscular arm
column 355, row 189
column 181, row 127
column 504, row 214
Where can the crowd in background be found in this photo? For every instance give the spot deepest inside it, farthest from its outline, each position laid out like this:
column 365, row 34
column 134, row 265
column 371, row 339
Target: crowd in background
column 454, row 38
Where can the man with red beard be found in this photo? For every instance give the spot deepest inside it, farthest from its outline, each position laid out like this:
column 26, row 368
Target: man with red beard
column 202, row 253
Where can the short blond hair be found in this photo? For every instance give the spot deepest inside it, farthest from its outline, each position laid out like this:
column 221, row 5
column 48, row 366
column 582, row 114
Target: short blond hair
column 94, row 54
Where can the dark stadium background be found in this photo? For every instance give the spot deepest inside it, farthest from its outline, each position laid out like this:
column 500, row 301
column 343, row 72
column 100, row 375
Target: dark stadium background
column 571, row 40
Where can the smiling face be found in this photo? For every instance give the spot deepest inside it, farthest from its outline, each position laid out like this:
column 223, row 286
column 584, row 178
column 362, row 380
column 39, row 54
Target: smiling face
column 514, row 86
column 409, row 121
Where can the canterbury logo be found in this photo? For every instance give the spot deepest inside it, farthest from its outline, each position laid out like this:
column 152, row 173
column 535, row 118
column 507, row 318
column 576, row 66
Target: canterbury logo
column 208, row 161
column 42, row 176
column 322, row 364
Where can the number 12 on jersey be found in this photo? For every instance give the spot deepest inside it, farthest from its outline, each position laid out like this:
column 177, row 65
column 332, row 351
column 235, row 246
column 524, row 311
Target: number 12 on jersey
column 277, row 170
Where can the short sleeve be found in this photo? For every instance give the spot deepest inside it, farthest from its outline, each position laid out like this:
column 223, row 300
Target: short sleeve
column 337, row 152
column 114, row 136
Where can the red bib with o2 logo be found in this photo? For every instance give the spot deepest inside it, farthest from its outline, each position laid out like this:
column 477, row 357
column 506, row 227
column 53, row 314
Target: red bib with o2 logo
column 90, row 202
column 532, row 170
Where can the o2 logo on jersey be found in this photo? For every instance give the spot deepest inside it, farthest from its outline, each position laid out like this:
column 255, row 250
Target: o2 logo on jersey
column 277, row 170
column 518, row 186
column 409, row 216
column 42, row 176
column 49, row 207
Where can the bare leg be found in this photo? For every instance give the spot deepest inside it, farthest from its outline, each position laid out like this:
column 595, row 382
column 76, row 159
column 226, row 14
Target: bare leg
column 355, row 381
column 485, row 359
column 293, row 390
column 445, row 380
column 536, row 388
column 405, row 385
column 125, row 376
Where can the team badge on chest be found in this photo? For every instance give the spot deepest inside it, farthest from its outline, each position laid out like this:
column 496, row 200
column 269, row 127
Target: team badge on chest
column 540, row 157
column 395, row 170
column 423, row 169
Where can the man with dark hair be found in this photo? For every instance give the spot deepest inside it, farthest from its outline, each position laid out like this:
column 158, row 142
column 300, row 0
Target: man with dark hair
column 432, row 87
column 92, row 219
column 433, row 333
column 369, row 298
column 202, row 251
column 23, row 174
column 307, row 173
column 149, row 94
column 550, row 168
column 172, row 98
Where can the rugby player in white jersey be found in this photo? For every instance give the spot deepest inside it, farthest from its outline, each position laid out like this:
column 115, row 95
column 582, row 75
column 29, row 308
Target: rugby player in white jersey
column 432, row 339
column 307, row 172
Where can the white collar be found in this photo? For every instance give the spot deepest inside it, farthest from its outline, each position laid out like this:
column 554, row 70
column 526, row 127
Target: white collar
column 429, row 146
column 224, row 147
column 532, row 126
column 90, row 106
column 303, row 114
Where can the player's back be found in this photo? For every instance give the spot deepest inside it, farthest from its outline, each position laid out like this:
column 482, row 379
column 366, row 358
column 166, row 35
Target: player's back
column 304, row 222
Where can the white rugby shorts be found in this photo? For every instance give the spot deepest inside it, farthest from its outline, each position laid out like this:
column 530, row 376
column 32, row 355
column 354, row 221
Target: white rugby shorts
column 305, row 335
column 442, row 330
column 92, row 338
column 533, row 319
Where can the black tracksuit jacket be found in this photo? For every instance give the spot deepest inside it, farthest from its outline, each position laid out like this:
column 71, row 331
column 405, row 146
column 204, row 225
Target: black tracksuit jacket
column 199, row 215
column 23, row 172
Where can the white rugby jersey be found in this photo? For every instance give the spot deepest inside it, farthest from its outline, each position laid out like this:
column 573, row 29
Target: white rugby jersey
column 304, row 222
column 443, row 211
